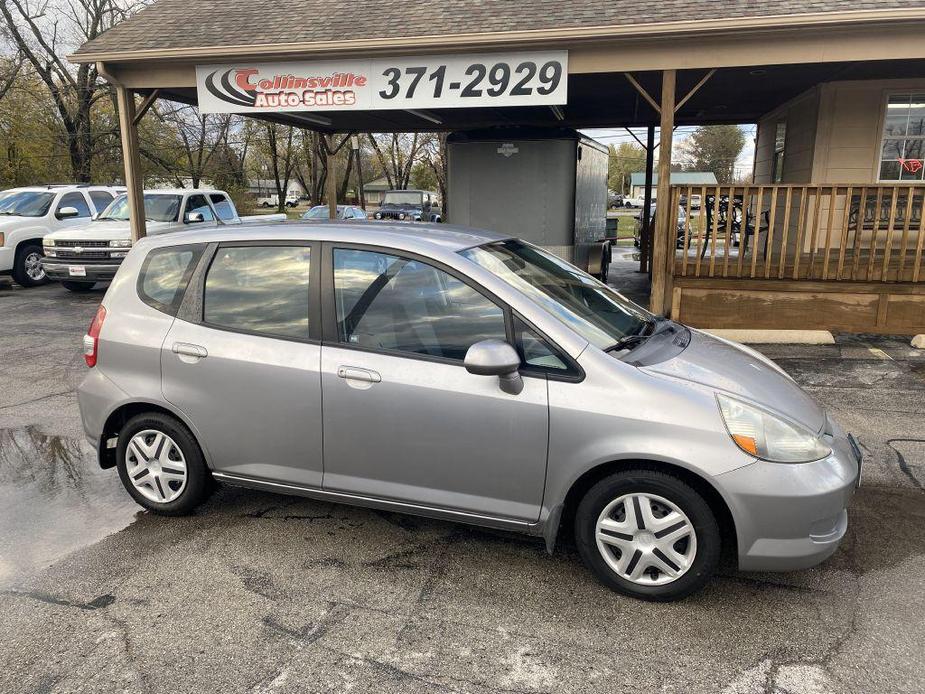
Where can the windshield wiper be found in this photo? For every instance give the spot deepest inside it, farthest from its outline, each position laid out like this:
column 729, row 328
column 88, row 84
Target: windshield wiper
column 653, row 326
column 627, row 341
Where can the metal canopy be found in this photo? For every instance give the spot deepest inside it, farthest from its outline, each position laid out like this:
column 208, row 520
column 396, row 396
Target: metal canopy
column 608, row 100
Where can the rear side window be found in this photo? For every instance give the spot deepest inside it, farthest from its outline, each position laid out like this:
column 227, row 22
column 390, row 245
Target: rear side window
column 164, row 276
column 259, row 289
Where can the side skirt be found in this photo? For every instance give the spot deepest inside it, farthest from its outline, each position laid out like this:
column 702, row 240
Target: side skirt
column 383, row 504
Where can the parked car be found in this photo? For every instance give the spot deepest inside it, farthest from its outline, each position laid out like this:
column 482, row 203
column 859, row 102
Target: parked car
column 631, row 201
column 681, row 225
column 615, row 201
column 462, row 375
column 322, row 212
column 266, row 201
column 28, row 214
column 84, row 255
column 409, row 206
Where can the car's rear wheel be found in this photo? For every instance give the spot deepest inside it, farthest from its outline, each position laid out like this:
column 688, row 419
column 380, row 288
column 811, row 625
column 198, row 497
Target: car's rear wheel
column 648, row 534
column 78, row 287
column 161, row 465
column 27, row 266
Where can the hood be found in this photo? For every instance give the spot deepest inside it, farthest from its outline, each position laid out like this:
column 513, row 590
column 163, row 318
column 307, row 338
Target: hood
column 8, row 223
column 401, row 206
column 107, row 231
column 744, row 373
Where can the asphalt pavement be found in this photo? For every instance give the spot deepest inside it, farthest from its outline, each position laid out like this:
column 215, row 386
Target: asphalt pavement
column 266, row 593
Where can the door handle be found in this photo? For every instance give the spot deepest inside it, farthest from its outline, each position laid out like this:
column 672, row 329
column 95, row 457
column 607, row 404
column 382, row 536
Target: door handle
column 187, row 350
column 353, row 373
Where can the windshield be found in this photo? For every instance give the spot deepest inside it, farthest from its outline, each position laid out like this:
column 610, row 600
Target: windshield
column 158, row 208
column 23, row 203
column 590, row 308
column 321, row 212
column 402, row 197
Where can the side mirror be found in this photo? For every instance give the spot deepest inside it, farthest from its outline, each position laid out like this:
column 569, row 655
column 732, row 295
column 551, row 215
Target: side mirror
column 496, row 358
column 68, row 213
column 194, row 217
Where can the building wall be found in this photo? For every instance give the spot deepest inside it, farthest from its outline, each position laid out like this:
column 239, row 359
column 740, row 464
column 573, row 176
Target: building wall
column 801, row 116
column 833, row 132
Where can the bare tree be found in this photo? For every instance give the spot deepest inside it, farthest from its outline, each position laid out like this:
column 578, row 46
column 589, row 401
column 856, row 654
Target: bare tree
column 397, row 154
column 194, row 140
column 281, row 159
column 9, row 71
column 42, row 33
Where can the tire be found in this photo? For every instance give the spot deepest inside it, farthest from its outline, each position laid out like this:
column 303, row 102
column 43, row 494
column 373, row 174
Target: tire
column 24, row 269
column 605, row 267
column 168, row 496
column 264, row 204
column 694, row 555
column 78, row 287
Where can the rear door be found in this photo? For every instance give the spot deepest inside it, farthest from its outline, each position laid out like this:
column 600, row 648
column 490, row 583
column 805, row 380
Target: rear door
column 242, row 361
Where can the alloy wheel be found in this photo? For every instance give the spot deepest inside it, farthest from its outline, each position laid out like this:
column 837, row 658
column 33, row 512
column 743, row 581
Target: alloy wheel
column 156, row 466
column 646, row 539
column 33, row 266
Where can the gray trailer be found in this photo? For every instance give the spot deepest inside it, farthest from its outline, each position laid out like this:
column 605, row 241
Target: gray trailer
column 546, row 186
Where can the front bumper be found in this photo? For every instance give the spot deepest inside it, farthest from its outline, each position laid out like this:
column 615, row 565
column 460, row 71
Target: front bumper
column 95, row 271
column 791, row 516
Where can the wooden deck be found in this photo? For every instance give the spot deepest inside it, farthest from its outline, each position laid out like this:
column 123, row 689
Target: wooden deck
column 843, row 258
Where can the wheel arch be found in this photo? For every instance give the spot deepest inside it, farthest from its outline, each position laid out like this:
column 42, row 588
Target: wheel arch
column 124, row 412
column 564, row 514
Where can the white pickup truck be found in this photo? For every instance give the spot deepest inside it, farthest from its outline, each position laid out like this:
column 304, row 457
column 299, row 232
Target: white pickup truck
column 292, row 200
column 29, row 214
column 92, row 253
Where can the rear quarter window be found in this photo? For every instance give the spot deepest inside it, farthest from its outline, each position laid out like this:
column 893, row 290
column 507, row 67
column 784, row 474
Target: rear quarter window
column 165, row 274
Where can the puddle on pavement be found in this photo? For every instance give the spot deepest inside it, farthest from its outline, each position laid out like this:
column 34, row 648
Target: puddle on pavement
column 54, row 499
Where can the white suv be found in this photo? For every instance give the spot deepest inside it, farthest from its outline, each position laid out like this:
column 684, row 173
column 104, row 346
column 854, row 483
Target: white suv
column 29, row 214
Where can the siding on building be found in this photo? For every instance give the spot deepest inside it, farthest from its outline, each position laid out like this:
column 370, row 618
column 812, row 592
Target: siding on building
column 800, row 115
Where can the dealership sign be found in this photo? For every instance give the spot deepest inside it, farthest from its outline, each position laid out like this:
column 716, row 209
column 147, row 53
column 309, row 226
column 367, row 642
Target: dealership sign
column 457, row 81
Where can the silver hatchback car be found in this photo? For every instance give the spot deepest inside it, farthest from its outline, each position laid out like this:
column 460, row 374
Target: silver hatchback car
column 462, row 375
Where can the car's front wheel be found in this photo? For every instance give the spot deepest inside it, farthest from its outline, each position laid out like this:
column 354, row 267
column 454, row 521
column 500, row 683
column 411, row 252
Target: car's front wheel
column 27, row 266
column 648, row 534
column 161, row 465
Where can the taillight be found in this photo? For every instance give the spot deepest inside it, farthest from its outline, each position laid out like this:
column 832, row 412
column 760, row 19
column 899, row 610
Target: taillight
column 92, row 338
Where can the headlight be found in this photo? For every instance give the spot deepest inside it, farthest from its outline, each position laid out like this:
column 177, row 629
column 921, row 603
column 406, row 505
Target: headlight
column 50, row 252
column 120, row 243
column 378, row 215
column 45, row 241
column 118, row 254
column 769, row 437
column 401, row 216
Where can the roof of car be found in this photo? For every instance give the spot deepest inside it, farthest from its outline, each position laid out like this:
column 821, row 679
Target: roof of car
column 56, row 187
column 406, row 236
column 179, row 191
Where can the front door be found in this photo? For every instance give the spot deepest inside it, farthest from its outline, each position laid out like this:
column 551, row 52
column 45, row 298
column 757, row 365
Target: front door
column 403, row 419
column 247, row 373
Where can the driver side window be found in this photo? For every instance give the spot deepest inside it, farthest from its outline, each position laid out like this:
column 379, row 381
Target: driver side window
column 197, row 203
column 399, row 304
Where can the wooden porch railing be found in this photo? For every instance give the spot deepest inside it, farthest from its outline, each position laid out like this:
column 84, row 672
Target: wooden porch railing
column 825, row 232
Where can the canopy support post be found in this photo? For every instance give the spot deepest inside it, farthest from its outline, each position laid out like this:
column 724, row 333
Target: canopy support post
column 664, row 215
column 128, row 128
column 645, row 237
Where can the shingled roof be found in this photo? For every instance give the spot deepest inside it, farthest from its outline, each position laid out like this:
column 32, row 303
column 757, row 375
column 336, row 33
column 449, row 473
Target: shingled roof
column 188, row 24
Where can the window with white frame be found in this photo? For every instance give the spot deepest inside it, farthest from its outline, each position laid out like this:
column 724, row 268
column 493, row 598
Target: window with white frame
column 902, row 152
